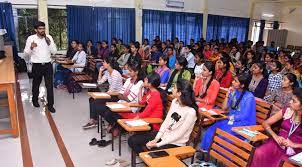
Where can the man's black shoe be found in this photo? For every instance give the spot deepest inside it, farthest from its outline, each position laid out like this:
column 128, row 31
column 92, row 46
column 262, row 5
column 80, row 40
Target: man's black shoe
column 36, row 104
column 51, row 109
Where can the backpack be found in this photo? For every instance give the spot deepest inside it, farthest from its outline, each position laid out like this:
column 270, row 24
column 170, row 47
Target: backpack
column 73, row 86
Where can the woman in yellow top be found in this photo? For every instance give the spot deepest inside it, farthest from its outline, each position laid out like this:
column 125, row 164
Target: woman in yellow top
column 180, row 72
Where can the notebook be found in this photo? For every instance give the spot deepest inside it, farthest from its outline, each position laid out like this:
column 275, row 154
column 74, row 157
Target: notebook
column 249, row 132
column 137, row 122
column 297, row 158
column 212, row 112
column 116, row 106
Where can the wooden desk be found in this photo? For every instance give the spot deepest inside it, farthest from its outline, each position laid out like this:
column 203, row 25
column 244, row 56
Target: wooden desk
column 256, row 138
column 88, row 87
column 97, row 95
column 7, row 84
column 122, row 123
column 185, row 151
column 210, row 115
column 126, row 108
column 163, row 161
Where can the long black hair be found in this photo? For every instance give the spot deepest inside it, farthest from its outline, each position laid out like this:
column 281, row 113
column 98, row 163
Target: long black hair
column 113, row 63
column 243, row 80
column 292, row 79
column 211, row 67
column 182, row 61
column 165, row 58
column 225, row 60
column 187, row 96
column 136, row 67
column 154, row 80
column 262, row 66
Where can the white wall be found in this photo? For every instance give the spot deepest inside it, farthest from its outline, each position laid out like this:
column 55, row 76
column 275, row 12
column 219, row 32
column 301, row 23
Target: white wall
column 268, row 8
column 195, row 6
column 293, row 23
column 236, row 8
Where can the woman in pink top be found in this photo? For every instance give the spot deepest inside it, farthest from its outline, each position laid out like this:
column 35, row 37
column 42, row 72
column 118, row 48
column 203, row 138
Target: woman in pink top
column 206, row 88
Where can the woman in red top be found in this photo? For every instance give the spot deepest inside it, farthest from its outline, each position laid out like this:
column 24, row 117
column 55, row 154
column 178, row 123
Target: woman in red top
column 207, row 51
column 223, row 73
column 154, row 100
column 206, row 87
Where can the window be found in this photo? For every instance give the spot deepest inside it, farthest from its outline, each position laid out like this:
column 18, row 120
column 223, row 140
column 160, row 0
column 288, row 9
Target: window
column 57, row 21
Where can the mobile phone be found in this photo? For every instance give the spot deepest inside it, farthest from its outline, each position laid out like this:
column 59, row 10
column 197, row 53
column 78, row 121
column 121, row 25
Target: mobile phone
column 217, row 116
column 157, row 154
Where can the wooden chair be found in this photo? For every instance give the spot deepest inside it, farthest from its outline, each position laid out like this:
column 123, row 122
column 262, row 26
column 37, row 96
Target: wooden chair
column 220, row 97
column 230, row 150
column 287, row 164
column 263, row 111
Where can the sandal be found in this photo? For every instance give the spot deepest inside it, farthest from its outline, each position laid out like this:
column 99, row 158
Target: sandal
column 93, row 142
column 115, row 162
column 103, row 143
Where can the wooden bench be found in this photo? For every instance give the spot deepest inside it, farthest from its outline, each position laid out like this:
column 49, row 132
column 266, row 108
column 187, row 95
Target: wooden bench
column 230, row 150
column 263, row 111
column 287, row 164
column 220, row 97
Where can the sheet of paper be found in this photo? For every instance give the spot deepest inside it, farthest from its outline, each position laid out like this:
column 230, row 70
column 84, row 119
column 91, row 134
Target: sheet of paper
column 100, row 94
column 138, row 122
column 116, row 106
column 90, row 84
column 297, row 158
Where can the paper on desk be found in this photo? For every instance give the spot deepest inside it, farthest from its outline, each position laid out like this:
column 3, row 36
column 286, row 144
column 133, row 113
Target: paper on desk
column 249, row 132
column 90, row 84
column 100, row 94
column 137, row 122
column 297, row 158
column 212, row 112
column 116, row 106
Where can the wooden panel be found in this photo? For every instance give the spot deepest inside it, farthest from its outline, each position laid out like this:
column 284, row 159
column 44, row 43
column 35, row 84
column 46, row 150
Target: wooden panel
column 235, row 140
column 261, row 109
column 220, row 158
column 261, row 115
column 228, row 155
column 232, row 147
column 262, row 103
column 7, row 67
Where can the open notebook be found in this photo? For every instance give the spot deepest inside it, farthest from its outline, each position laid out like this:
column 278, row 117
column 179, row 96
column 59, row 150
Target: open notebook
column 297, row 159
column 137, row 122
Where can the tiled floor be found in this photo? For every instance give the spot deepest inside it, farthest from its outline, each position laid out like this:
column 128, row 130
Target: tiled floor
column 70, row 116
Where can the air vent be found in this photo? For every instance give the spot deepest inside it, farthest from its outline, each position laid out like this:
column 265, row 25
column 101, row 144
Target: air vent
column 175, row 3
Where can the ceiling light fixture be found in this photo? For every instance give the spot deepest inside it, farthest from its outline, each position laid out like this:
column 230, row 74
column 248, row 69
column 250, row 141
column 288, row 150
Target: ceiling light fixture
column 267, row 15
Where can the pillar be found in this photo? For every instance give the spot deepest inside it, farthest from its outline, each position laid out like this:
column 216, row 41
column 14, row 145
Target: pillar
column 138, row 20
column 251, row 15
column 205, row 19
column 43, row 13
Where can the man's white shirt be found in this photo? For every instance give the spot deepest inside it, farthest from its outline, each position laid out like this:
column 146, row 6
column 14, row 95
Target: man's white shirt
column 41, row 53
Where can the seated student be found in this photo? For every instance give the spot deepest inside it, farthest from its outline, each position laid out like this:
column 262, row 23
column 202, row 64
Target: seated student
column 155, row 54
column 290, row 68
column 275, row 77
column 144, row 51
column 115, row 81
column 62, row 75
column 163, row 70
column 223, row 73
column 114, row 51
column 249, row 57
column 176, row 129
column 180, row 72
column 240, row 67
column 172, row 57
column 190, row 58
column 154, row 98
column 206, row 87
column 281, row 97
column 72, row 49
column 207, row 51
column 288, row 141
column 135, row 58
column 122, row 61
column 198, row 68
column 104, row 51
column 215, row 56
column 268, row 59
column 131, row 92
column 90, row 48
column 241, row 105
column 258, row 80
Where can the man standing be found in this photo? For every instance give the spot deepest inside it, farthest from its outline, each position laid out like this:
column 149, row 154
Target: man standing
column 40, row 47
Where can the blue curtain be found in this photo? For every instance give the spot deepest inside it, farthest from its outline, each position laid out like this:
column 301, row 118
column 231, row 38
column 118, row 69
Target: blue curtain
column 227, row 27
column 168, row 25
column 7, row 22
column 100, row 23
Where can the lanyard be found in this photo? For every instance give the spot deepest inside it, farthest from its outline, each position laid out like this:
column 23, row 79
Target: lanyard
column 127, row 91
column 293, row 128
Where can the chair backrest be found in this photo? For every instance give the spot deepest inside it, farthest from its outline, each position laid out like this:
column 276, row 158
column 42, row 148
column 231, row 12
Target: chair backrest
column 286, row 164
column 220, row 97
column 169, row 102
column 230, row 150
column 263, row 110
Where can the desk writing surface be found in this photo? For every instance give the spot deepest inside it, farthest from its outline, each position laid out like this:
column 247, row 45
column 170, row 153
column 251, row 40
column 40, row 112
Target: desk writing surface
column 259, row 137
column 7, row 69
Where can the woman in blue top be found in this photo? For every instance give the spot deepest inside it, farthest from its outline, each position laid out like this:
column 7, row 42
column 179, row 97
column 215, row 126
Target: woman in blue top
column 242, row 110
column 163, row 70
